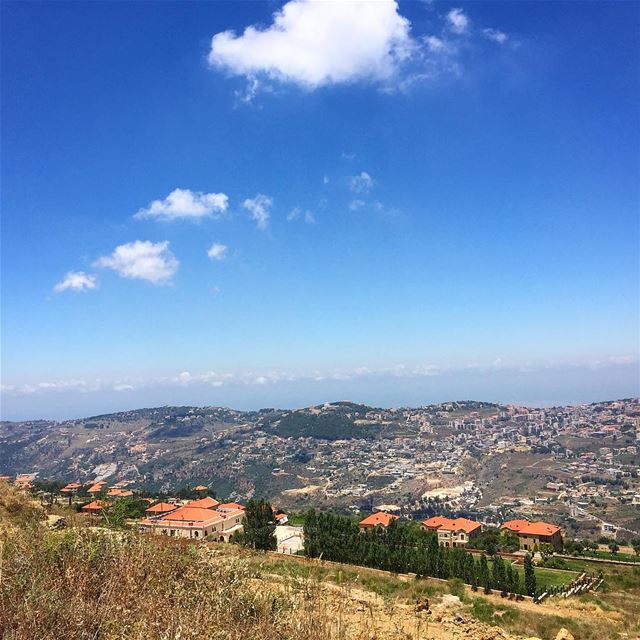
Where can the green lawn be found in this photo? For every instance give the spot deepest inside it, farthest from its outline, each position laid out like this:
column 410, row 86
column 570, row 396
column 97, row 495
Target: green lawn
column 545, row 577
column 607, row 555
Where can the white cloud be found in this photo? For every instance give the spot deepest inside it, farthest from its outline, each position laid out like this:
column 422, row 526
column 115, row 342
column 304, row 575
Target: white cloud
column 493, row 34
column 458, row 21
column 314, row 43
column 123, row 387
column 356, row 204
column 361, row 183
column 258, row 208
column 76, row 281
column 143, row 260
column 185, row 204
column 436, row 45
column 299, row 214
column 217, row 251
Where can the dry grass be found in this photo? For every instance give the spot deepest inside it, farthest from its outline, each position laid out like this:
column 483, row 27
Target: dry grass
column 82, row 584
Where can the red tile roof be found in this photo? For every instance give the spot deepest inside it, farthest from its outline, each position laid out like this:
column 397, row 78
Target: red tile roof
column 447, row 524
column 191, row 515
column 230, row 506
column 161, row 507
column 96, row 505
column 120, row 493
column 435, row 521
column 203, row 503
column 527, row 528
column 380, row 518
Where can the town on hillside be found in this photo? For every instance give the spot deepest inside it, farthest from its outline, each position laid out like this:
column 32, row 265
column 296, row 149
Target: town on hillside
column 575, row 466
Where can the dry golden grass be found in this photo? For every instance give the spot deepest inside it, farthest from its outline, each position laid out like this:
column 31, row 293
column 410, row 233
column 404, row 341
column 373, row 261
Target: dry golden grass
column 81, row 584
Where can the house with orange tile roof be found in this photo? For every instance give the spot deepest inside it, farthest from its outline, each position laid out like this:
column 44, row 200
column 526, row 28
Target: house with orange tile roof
column 97, row 487
column 72, row 487
column 201, row 487
column 196, row 522
column 378, row 519
column 25, row 480
column 533, row 534
column 452, row 532
column 120, row 493
column 95, row 507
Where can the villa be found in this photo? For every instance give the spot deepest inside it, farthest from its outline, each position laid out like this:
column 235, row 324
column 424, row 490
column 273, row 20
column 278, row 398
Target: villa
column 533, row 534
column 452, row 532
column 217, row 522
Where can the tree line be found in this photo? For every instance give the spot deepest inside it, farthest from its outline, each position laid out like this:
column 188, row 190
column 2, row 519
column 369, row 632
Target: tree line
column 405, row 548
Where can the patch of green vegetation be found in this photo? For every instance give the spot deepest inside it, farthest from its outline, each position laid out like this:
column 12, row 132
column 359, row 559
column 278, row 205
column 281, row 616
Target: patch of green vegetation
column 328, row 425
column 607, row 555
column 489, row 613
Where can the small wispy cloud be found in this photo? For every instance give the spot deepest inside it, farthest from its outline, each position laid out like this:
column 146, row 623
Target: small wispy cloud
column 362, row 183
column 458, row 21
column 123, row 387
column 184, row 204
column 298, row 214
column 142, row 260
column 76, row 281
column 494, row 34
column 258, row 209
column 356, row 204
column 217, row 251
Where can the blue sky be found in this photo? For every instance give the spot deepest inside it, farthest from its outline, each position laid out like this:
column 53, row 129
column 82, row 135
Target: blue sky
column 266, row 204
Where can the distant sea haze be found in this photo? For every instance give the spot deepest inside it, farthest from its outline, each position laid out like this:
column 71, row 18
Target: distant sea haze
column 559, row 386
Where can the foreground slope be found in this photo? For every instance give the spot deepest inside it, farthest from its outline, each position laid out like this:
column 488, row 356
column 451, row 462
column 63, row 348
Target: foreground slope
column 89, row 582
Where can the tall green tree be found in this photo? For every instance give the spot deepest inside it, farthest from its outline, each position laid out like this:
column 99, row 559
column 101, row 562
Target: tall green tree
column 259, row 526
column 484, row 579
column 529, row 576
column 499, row 573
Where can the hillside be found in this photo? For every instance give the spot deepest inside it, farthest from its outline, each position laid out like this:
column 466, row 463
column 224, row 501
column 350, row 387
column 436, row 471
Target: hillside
column 477, row 459
column 89, row 582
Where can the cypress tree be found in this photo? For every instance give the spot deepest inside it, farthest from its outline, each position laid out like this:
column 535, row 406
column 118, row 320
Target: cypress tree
column 484, row 580
column 529, row 576
column 499, row 573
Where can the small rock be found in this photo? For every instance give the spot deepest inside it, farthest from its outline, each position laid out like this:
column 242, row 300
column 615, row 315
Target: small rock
column 449, row 600
column 564, row 634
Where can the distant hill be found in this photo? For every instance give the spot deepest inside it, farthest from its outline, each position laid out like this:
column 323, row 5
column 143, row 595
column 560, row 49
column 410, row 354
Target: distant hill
column 337, row 421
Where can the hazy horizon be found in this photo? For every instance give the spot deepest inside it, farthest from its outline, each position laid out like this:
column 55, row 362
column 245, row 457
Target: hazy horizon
column 588, row 388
